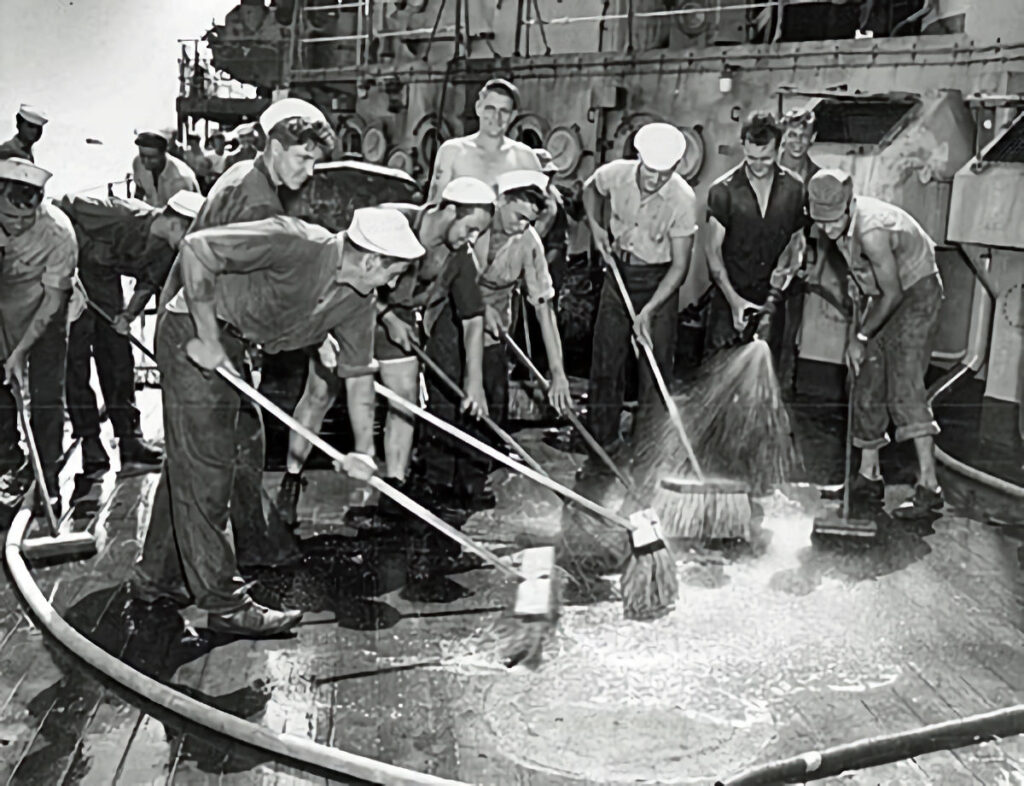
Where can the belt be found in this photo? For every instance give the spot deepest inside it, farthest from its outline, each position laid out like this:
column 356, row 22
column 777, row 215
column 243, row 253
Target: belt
column 632, row 260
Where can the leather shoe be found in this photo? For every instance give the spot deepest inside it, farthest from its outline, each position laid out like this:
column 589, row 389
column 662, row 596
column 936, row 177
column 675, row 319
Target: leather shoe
column 135, row 450
column 94, row 457
column 255, row 621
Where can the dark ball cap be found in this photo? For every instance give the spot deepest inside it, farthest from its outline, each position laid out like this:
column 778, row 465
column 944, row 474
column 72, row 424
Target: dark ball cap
column 152, row 139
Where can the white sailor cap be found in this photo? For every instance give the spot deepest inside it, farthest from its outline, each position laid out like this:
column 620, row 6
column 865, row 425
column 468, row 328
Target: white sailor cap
column 385, row 231
column 660, row 146
column 522, row 178
column 468, row 191
column 288, row 108
column 22, row 171
column 31, row 114
column 186, row 203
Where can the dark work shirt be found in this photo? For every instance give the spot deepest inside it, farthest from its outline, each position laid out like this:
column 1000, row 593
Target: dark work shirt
column 753, row 243
column 114, row 233
column 15, row 148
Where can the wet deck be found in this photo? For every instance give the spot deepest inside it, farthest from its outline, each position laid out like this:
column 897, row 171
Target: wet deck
column 772, row 651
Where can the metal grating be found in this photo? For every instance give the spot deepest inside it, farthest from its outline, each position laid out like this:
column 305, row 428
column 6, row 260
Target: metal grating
column 1009, row 148
column 860, row 121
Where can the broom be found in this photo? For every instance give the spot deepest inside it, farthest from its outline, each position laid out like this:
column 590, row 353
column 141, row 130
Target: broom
column 56, row 545
column 649, row 585
column 649, row 565
column 714, row 508
column 536, row 606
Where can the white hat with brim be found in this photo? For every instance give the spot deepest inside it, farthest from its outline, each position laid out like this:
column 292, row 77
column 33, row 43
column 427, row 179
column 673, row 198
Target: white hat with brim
column 522, row 178
column 384, row 231
column 186, row 203
column 660, row 146
column 32, row 115
column 287, row 108
column 468, row 191
column 21, row 171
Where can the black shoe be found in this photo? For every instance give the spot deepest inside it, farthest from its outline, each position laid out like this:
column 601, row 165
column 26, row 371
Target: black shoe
column 924, row 504
column 255, row 621
column 94, row 457
column 135, row 450
column 861, row 489
column 287, row 502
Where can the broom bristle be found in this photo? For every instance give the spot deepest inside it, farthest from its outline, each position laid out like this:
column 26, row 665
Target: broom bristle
column 650, row 587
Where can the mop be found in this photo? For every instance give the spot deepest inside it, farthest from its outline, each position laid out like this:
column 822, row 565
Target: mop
column 57, row 545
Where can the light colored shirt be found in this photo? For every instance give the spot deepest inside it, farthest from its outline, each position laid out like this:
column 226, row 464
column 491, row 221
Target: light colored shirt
column 174, row 177
column 44, row 257
column 279, row 287
column 518, row 258
column 644, row 225
column 911, row 246
column 218, row 162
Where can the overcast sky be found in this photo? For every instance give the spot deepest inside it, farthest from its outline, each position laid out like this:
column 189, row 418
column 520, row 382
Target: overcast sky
column 99, row 68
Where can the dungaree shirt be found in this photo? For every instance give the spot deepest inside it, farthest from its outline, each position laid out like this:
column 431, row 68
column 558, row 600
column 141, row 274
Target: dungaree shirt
column 518, row 257
column 643, row 226
column 174, row 177
column 42, row 258
column 280, row 287
column 913, row 249
column 15, row 148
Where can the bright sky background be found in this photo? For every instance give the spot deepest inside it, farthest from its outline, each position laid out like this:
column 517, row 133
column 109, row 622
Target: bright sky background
column 99, row 69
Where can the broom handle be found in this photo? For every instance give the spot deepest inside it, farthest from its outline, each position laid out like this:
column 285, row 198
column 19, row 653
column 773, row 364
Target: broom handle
column 384, row 488
column 452, row 385
column 33, row 457
column 110, row 321
column 659, row 380
column 847, row 480
column 572, row 417
column 501, row 458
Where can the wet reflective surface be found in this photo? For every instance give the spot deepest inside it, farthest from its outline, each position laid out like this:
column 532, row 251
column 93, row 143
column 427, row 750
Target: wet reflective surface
column 776, row 647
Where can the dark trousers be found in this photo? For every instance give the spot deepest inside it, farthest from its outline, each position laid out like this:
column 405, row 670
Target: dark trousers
column 46, row 390
column 721, row 334
column 90, row 336
column 612, row 332
column 794, row 317
column 210, row 472
column 448, row 463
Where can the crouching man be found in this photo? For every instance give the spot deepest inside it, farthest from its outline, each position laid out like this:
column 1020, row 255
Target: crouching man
column 283, row 284
column 892, row 261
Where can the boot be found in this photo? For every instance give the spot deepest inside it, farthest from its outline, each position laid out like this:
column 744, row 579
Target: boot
column 94, row 457
column 287, row 501
column 136, row 450
column 925, row 504
column 255, row 621
column 861, row 489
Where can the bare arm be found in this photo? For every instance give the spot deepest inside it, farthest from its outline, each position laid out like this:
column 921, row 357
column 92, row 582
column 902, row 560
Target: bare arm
column 682, row 248
column 444, row 171
column 552, row 340
column 875, row 245
column 359, row 392
column 199, row 270
column 473, row 340
column 716, row 264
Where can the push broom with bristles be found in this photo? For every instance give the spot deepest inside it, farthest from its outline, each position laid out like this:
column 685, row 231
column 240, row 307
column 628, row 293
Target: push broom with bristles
column 697, row 507
column 57, row 545
column 650, row 587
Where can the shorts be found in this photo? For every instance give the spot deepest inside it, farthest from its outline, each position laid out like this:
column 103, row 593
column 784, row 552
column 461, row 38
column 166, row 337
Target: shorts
column 384, row 349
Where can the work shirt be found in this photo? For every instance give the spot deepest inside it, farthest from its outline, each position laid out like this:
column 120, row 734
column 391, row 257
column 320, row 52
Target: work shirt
column 43, row 257
column 115, row 234
column 174, row 177
column 753, row 243
column 643, row 225
column 517, row 258
column 15, row 148
column 913, row 249
column 280, row 288
column 218, row 162
column 444, row 274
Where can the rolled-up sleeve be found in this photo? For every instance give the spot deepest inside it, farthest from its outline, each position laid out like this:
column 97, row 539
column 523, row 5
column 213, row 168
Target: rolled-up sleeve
column 603, row 178
column 355, row 338
column 539, row 286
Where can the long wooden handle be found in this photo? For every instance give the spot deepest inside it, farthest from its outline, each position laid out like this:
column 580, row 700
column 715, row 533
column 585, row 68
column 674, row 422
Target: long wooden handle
column 500, row 457
column 384, row 488
column 571, row 416
column 499, row 432
column 33, row 456
column 110, row 321
column 659, row 380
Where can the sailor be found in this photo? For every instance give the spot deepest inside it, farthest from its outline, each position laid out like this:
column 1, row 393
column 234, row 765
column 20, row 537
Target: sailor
column 653, row 219
column 283, row 284
column 453, row 475
column 298, row 137
column 446, row 230
column 217, row 157
column 38, row 259
column 196, row 159
column 756, row 220
column 247, row 150
column 159, row 175
column 117, row 237
column 891, row 259
column 29, row 123
column 797, row 137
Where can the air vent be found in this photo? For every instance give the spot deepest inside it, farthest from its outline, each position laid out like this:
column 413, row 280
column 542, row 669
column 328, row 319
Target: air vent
column 1009, row 148
column 859, row 121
